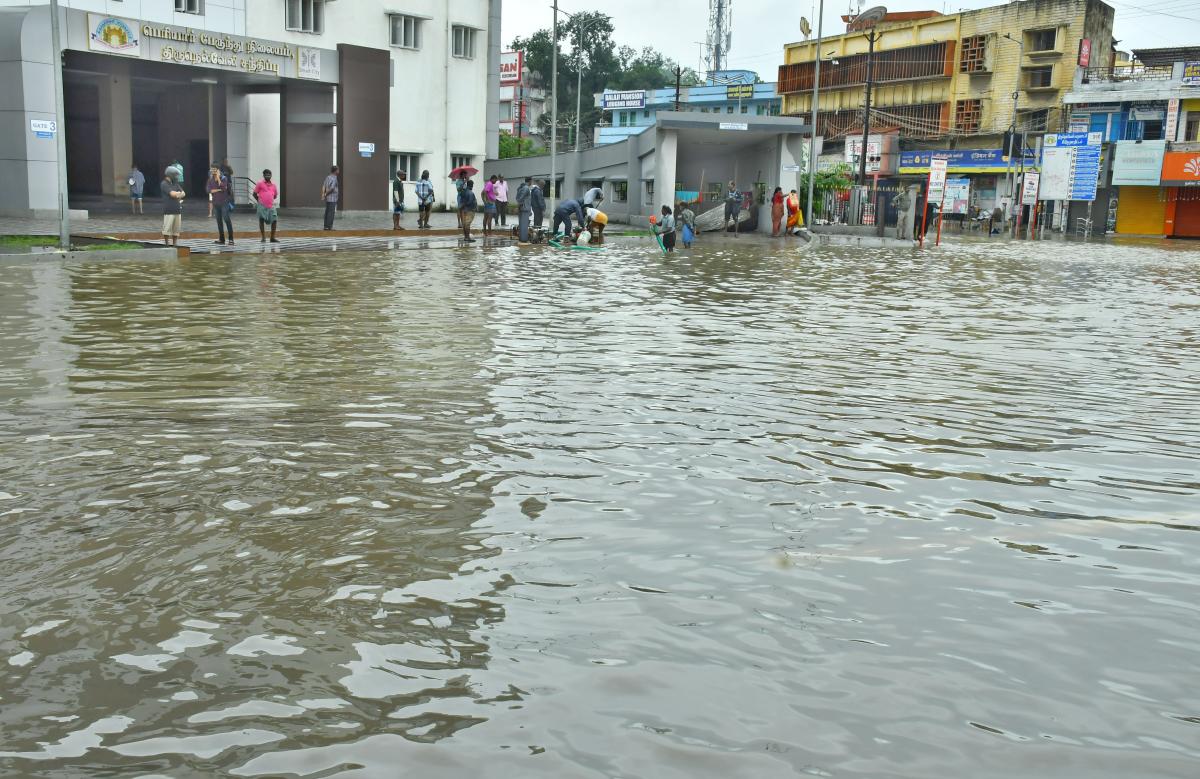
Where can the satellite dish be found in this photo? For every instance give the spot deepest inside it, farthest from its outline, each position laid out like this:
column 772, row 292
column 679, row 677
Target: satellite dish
column 867, row 19
column 805, row 27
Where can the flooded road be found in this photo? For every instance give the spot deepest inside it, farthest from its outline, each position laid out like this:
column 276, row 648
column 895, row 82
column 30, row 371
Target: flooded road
column 738, row 513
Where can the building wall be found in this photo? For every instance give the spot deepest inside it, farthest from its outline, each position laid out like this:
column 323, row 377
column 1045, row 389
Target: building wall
column 228, row 16
column 438, row 102
column 1073, row 19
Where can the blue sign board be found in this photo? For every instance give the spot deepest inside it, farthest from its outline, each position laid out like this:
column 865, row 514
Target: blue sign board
column 1083, row 166
column 961, row 160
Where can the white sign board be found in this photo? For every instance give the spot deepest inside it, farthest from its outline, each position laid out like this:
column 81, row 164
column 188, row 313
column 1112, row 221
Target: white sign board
column 43, row 128
column 308, row 63
column 366, row 149
column 511, row 63
column 735, row 126
column 937, row 179
column 791, row 168
column 1056, row 173
column 1029, row 189
column 631, row 99
column 1172, row 125
column 874, row 152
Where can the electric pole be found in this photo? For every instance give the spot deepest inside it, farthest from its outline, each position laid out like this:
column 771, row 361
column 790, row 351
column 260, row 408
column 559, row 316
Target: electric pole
column 812, row 140
column 64, row 207
column 862, row 155
column 678, row 78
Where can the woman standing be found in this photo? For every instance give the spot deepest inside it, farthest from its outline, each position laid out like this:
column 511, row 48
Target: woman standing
column 776, row 211
column 221, row 197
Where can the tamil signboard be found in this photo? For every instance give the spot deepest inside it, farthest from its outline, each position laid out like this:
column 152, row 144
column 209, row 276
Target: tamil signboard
column 743, row 126
column 152, row 41
column 511, row 65
column 632, row 99
column 1138, row 163
column 739, row 91
column 962, row 160
column 1172, row 124
column 1070, row 166
column 1191, row 74
column 1181, row 169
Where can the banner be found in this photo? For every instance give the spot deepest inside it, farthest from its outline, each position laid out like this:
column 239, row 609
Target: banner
column 1181, row 169
column 937, row 179
column 962, row 160
column 1138, row 163
column 1029, row 189
column 958, row 196
column 1191, row 74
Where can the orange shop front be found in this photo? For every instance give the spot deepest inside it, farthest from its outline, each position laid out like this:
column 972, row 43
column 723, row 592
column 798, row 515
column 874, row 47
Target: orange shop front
column 1181, row 175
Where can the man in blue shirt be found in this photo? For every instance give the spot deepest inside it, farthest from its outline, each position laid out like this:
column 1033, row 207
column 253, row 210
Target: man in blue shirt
column 466, row 209
column 563, row 214
column 424, row 192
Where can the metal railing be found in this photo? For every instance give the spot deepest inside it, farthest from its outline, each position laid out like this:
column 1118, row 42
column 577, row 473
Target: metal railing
column 1128, row 73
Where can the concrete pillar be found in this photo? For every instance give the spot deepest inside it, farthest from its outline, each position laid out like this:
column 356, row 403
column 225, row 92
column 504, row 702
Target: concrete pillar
column 570, row 185
column 237, row 132
column 116, row 128
column 492, row 111
column 664, row 169
column 633, row 185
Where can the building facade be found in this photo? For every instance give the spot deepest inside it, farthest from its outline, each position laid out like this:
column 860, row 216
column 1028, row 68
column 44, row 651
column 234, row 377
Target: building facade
column 954, row 81
column 291, row 85
column 1148, row 113
column 737, row 94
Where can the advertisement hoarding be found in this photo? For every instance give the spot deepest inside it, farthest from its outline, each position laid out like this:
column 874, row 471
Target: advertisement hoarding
column 1138, row 163
column 1181, row 169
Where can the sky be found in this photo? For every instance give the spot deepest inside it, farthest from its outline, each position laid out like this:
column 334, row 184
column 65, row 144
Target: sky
column 762, row 27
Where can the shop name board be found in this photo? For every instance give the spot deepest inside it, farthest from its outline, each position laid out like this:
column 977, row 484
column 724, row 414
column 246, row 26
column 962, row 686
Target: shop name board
column 739, row 92
column 632, row 99
column 1138, row 163
column 202, row 48
column 961, row 160
column 1191, row 74
column 511, row 63
column 1181, row 169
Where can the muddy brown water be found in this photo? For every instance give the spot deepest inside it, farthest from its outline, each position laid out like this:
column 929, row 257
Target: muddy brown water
column 741, row 512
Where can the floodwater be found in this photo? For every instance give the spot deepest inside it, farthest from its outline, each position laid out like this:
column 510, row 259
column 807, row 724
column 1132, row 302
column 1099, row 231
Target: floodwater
column 746, row 512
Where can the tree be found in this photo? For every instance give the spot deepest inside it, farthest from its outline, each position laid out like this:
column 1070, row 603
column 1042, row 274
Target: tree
column 839, row 177
column 512, row 146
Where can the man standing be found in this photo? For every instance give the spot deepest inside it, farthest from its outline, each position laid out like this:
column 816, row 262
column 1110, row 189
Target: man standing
column 329, row 193
column 489, row 204
column 398, row 198
column 537, row 202
column 563, row 214
column 524, row 208
column 265, row 194
column 178, row 168
column 173, row 195
column 593, row 197
column 466, row 209
column 424, row 192
column 137, row 184
column 502, row 199
column 733, row 207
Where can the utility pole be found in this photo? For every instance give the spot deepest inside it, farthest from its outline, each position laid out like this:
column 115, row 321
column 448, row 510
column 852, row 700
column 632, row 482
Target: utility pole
column 678, row 79
column 1012, row 134
column 862, row 156
column 553, row 107
column 812, row 139
column 64, row 207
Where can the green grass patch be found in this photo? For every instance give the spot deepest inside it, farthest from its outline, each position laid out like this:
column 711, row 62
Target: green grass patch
column 26, row 242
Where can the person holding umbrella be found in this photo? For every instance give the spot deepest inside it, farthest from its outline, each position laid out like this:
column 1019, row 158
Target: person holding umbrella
column 460, row 176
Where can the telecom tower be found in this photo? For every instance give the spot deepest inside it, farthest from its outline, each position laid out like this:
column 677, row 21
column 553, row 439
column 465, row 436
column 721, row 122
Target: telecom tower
column 720, row 33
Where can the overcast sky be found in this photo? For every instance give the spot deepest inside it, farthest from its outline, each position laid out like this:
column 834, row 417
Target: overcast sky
column 762, row 27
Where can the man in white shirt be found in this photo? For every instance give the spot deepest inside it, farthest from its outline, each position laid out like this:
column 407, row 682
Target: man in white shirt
column 593, row 198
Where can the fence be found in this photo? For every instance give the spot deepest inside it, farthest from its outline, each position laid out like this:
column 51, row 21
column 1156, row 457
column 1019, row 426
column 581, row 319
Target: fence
column 869, row 206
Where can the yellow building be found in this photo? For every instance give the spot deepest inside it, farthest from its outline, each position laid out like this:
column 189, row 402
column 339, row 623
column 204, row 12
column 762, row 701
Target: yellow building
column 953, row 75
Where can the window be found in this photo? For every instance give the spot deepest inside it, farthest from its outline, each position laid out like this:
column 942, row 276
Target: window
column 407, row 162
column 189, row 6
column 973, row 54
column 464, row 41
column 305, row 16
column 1041, row 40
column 649, row 191
column 760, row 110
column 623, row 118
column 1039, row 78
column 458, row 160
column 646, row 114
column 1152, row 130
column 745, row 109
column 967, row 114
column 1193, row 128
column 406, row 31
column 1034, row 120
column 620, row 191
column 729, row 109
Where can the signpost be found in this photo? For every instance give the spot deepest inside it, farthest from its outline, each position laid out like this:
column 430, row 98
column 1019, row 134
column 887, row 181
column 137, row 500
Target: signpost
column 934, row 190
column 1071, row 166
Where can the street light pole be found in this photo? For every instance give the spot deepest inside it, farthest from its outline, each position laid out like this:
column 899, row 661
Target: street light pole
column 862, row 154
column 60, row 115
column 554, row 106
column 812, row 138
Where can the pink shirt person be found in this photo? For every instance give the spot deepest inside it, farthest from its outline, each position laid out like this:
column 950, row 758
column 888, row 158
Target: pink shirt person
column 265, row 193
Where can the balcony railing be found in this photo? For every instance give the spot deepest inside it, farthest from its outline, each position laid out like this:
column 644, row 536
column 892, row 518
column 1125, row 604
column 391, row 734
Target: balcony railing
column 1128, row 73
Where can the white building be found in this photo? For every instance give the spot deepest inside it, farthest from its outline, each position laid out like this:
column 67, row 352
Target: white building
column 291, row 85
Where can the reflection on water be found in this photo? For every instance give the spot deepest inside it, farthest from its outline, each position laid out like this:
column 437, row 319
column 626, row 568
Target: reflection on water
column 739, row 512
